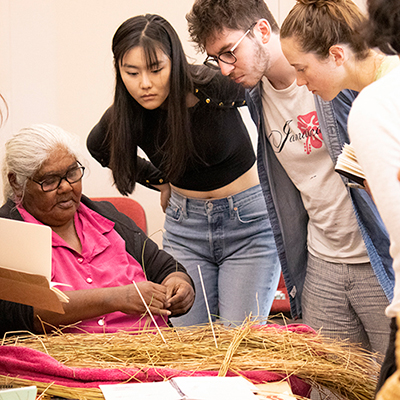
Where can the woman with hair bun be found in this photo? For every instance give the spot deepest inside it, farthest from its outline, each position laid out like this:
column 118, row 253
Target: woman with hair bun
column 325, row 42
column 333, row 46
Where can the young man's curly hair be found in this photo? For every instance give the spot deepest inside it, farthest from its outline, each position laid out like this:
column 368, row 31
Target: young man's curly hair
column 208, row 17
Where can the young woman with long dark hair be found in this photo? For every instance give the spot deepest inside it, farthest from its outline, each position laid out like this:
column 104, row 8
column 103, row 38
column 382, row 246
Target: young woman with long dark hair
column 186, row 119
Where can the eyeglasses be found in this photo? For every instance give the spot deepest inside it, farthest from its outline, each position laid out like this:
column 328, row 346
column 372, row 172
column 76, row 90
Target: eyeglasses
column 53, row 182
column 227, row 57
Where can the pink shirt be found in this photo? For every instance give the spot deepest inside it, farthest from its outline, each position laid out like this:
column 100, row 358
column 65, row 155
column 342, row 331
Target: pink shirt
column 104, row 262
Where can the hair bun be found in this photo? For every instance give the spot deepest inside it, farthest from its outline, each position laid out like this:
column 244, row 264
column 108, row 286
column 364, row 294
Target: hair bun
column 318, row 3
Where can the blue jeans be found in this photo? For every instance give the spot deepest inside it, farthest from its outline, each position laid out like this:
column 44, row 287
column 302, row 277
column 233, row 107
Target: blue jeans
column 232, row 242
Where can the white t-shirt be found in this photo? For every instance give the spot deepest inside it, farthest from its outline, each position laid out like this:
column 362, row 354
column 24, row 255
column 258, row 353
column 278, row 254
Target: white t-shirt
column 293, row 131
column 374, row 128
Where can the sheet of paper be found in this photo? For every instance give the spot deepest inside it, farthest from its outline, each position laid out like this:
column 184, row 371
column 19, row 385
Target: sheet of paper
column 25, row 265
column 276, row 396
column 195, row 388
column 25, row 247
column 216, row 388
column 140, row 391
column 23, row 393
column 274, row 387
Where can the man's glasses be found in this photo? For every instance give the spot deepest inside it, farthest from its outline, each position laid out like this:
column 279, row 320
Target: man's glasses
column 227, row 57
column 53, row 182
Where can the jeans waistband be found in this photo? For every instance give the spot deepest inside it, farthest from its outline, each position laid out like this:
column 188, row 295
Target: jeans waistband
column 193, row 204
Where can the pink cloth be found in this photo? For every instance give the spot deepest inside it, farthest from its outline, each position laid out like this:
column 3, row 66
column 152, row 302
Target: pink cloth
column 104, row 262
column 26, row 363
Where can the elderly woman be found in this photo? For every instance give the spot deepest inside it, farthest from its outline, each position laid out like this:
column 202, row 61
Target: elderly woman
column 98, row 251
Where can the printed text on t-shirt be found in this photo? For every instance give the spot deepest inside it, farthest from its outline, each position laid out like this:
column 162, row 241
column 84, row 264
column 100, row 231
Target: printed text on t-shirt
column 309, row 130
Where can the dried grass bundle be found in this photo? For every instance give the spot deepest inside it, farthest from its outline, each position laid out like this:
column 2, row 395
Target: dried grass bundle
column 343, row 368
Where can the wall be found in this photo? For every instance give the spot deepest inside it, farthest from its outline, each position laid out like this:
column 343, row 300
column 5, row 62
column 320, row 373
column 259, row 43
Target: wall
column 56, row 67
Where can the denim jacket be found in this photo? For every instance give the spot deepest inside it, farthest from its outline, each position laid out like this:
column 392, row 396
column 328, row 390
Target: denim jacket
column 288, row 217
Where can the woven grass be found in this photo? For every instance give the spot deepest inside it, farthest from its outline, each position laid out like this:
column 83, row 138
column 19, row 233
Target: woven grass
column 345, row 369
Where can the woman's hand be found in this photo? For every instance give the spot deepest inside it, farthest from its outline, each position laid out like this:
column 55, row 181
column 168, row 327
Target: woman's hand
column 180, row 293
column 165, row 190
column 155, row 296
column 91, row 303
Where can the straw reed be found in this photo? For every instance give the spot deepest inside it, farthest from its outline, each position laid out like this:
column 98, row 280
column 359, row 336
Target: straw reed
column 345, row 369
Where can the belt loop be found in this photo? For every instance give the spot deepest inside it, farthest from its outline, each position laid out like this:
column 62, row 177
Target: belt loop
column 184, row 206
column 231, row 207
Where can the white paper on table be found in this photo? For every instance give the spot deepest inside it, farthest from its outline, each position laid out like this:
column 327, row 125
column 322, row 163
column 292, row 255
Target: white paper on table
column 216, row 387
column 22, row 393
column 196, row 388
column 140, row 391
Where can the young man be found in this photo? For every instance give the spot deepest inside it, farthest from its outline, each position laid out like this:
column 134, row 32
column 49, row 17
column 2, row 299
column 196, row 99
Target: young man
column 333, row 247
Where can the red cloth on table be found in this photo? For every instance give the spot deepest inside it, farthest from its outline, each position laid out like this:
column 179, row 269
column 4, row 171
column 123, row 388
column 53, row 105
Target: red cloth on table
column 26, row 363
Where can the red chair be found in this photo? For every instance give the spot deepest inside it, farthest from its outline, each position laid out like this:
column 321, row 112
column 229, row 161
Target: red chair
column 281, row 302
column 129, row 207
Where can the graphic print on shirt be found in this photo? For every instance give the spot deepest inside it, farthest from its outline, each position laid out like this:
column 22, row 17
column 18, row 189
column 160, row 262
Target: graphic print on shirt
column 309, row 126
column 308, row 129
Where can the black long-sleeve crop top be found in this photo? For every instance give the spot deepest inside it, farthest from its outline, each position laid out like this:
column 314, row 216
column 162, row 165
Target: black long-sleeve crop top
column 219, row 134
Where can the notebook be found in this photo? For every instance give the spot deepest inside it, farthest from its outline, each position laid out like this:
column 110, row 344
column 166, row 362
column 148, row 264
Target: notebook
column 25, row 265
column 348, row 166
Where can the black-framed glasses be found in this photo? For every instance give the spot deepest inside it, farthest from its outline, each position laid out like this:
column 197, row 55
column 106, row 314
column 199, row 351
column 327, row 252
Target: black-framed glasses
column 53, row 182
column 227, row 57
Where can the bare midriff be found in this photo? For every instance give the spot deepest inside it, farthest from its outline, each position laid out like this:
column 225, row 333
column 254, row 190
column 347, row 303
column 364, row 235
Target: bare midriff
column 244, row 182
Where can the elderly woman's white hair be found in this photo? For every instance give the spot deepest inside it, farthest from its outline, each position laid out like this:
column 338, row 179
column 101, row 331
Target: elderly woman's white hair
column 28, row 149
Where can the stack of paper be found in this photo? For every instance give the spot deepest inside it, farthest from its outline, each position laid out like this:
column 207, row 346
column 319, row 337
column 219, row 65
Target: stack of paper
column 25, row 266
